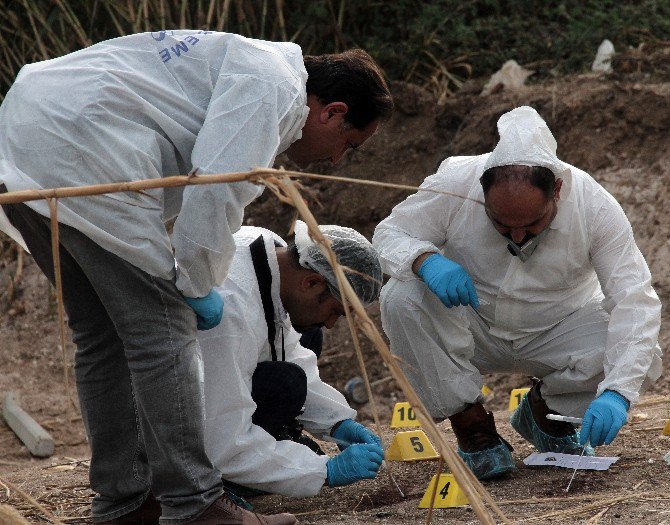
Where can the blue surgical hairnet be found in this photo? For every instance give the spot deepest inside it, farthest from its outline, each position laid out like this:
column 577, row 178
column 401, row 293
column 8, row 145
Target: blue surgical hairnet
column 354, row 252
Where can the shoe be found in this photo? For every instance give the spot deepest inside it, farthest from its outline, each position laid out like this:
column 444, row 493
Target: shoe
column 224, row 512
column 530, row 420
column 146, row 514
column 480, row 446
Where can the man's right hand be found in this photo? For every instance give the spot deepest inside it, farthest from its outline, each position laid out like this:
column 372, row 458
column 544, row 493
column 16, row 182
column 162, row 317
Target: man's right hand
column 208, row 309
column 356, row 462
column 449, row 281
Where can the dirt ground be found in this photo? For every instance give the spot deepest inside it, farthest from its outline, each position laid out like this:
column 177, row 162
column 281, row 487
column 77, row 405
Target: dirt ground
column 615, row 127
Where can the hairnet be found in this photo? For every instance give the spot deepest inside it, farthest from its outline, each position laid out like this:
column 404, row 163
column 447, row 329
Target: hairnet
column 353, row 251
column 525, row 140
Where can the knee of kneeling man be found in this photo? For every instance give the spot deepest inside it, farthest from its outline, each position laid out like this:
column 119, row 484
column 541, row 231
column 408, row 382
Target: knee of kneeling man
column 400, row 296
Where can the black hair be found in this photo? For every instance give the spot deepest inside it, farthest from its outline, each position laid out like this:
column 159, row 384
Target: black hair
column 352, row 77
column 292, row 250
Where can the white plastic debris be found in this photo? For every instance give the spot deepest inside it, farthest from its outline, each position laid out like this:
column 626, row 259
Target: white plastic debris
column 604, row 56
column 667, row 458
column 555, row 459
column 509, row 77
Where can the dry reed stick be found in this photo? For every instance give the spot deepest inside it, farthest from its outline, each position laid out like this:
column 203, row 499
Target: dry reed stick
column 32, row 501
column 364, row 373
column 469, row 484
column 653, row 400
column 254, row 176
column 594, row 520
column 440, row 466
column 11, row 516
column 581, row 510
column 55, row 251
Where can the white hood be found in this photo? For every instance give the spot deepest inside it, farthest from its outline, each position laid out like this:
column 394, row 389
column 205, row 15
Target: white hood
column 525, row 139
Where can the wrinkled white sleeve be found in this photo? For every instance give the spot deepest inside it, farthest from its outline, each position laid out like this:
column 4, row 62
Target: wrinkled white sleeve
column 243, row 452
column 417, row 225
column 634, row 307
column 241, row 131
column 324, row 405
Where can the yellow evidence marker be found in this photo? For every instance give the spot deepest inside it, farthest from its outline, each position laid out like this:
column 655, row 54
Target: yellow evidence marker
column 666, row 429
column 412, row 445
column 404, row 416
column 448, row 493
column 486, row 391
column 515, row 397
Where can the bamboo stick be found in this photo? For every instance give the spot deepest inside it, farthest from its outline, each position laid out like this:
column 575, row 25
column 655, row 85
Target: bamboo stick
column 255, row 176
column 440, row 466
column 55, row 250
column 469, row 484
column 49, row 515
column 366, row 379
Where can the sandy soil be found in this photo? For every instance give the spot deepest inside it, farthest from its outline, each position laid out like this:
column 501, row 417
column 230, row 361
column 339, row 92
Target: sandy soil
column 615, row 128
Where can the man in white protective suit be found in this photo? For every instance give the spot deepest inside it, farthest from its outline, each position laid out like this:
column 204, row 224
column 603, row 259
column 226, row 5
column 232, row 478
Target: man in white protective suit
column 147, row 106
column 262, row 386
column 544, row 279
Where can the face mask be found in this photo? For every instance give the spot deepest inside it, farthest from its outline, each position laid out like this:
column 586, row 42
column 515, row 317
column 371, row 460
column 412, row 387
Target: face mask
column 524, row 252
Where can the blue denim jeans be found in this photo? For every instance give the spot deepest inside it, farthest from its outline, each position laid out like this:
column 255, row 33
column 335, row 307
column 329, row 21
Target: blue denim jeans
column 139, row 376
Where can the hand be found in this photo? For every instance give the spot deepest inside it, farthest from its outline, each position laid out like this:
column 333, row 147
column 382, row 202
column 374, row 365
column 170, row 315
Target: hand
column 603, row 419
column 361, row 461
column 449, row 281
column 352, row 432
column 208, row 309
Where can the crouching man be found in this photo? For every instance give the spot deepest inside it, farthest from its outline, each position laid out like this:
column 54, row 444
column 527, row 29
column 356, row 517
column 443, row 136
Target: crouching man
column 262, row 386
column 544, row 279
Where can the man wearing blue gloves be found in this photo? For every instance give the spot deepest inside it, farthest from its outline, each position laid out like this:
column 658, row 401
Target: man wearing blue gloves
column 153, row 105
column 262, row 387
column 544, row 279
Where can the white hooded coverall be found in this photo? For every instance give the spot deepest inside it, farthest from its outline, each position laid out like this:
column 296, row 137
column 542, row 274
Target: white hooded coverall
column 153, row 105
column 580, row 312
column 243, row 452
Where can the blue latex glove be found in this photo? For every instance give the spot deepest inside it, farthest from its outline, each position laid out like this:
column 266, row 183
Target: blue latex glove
column 360, row 461
column 208, row 309
column 351, row 432
column 449, row 281
column 603, row 419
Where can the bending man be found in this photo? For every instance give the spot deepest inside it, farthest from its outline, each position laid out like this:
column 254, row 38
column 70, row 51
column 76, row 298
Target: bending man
column 545, row 280
column 262, row 386
column 153, row 105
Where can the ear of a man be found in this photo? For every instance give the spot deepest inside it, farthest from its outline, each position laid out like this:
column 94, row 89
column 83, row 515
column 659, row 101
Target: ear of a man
column 333, row 113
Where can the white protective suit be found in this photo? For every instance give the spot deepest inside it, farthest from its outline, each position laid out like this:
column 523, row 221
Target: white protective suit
column 153, row 105
column 243, row 452
column 581, row 310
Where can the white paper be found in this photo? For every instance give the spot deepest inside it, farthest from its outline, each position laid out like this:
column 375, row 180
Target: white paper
column 571, row 461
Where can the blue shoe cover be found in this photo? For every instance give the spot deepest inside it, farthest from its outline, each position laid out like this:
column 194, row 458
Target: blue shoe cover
column 524, row 423
column 489, row 463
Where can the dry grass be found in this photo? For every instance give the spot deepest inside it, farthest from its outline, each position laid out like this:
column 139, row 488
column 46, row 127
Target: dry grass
column 34, row 30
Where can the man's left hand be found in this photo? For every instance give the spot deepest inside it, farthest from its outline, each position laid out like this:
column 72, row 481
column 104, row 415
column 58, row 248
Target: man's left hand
column 351, row 432
column 603, row 419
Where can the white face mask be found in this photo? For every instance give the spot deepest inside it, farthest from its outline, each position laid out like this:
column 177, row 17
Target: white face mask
column 524, row 252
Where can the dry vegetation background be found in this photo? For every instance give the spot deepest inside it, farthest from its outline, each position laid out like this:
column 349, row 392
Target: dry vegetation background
column 615, row 127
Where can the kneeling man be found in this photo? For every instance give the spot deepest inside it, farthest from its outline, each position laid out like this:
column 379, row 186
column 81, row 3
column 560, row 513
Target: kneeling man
column 544, row 279
column 262, row 386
